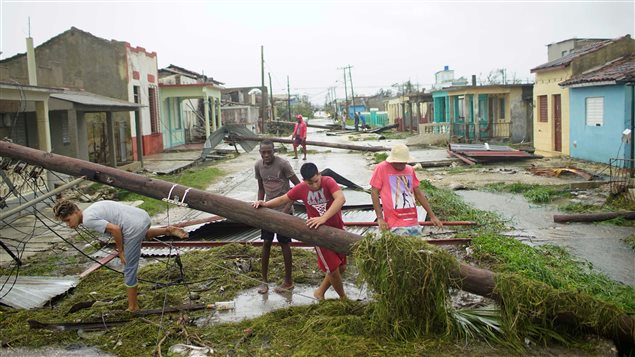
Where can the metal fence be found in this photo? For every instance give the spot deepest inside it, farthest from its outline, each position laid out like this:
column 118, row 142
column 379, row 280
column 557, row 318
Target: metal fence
column 622, row 178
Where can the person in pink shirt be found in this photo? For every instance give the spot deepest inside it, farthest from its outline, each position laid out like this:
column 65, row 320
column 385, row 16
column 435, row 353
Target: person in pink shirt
column 299, row 136
column 396, row 184
column 323, row 200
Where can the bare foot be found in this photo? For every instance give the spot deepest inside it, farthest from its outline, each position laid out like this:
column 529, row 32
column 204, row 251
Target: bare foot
column 263, row 289
column 177, row 232
column 284, row 288
column 318, row 296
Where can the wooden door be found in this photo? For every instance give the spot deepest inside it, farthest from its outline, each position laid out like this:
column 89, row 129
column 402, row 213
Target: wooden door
column 557, row 123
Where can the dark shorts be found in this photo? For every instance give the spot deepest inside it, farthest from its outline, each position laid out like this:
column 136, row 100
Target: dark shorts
column 266, row 235
column 298, row 141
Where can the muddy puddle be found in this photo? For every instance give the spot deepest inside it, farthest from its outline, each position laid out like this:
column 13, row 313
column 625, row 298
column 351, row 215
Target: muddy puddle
column 600, row 244
column 250, row 304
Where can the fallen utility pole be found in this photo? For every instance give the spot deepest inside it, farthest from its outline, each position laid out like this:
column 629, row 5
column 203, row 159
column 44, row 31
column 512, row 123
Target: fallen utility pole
column 104, row 325
column 313, row 143
column 471, row 279
column 592, row 217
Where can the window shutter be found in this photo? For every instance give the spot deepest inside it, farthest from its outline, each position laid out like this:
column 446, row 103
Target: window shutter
column 542, row 108
column 594, row 111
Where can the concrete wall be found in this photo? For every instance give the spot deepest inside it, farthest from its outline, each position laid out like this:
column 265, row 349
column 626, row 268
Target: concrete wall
column 521, row 114
column 620, row 48
column 75, row 59
column 142, row 71
column 547, row 84
column 600, row 143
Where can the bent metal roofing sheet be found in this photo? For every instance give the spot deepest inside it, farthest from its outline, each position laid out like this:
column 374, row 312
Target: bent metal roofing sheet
column 28, row 292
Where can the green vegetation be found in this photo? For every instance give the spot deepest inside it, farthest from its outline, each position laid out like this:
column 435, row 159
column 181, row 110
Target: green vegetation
column 630, row 240
column 551, row 265
column 404, row 272
column 397, row 134
column 533, row 193
column 463, row 168
column 380, row 157
column 448, row 206
column 199, row 177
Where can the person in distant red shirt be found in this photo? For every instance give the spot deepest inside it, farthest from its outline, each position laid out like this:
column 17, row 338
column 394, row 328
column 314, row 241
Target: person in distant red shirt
column 323, row 200
column 299, row 136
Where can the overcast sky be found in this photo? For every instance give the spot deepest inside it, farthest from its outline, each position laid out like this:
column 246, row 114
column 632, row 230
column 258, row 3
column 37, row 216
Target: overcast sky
column 385, row 42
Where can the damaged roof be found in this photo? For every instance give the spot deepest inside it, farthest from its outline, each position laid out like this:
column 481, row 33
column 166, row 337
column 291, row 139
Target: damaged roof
column 95, row 100
column 619, row 70
column 566, row 60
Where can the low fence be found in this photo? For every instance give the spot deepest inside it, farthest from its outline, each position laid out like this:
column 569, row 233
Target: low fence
column 434, row 128
column 499, row 130
column 622, row 178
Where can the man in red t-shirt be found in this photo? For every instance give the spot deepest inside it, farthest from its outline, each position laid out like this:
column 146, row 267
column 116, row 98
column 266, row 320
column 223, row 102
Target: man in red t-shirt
column 396, row 183
column 323, row 200
column 299, row 136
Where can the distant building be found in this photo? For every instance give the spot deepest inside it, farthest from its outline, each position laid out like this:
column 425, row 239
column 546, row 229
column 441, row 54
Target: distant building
column 488, row 112
column 445, row 78
column 190, row 105
column 78, row 60
column 551, row 101
column 560, row 49
column 601, row 109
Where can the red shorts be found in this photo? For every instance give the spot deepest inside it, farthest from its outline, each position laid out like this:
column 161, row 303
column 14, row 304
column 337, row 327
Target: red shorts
column 328, row 260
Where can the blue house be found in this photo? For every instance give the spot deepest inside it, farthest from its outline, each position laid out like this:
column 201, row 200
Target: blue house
column 601, row 108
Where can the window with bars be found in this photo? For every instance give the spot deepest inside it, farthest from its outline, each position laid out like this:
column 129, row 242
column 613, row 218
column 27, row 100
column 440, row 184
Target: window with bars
column 594, row 111
column 152, row 105
column 542, row 109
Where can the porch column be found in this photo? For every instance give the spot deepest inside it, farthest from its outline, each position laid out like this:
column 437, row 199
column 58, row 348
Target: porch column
column 139, row 135
column 110, row 139
column 72, row 132
column 82, row 136
column 214, row 116
column 43, row 125
column 207, row 108
column 219, row 116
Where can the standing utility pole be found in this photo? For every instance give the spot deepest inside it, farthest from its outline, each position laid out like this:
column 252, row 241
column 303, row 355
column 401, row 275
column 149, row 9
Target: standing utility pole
column 288, row 99
column 263, row 92
column 273, row 114
column 345, row 91
column 350, row 77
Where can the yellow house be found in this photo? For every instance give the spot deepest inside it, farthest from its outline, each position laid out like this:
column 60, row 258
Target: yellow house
column 551, row 102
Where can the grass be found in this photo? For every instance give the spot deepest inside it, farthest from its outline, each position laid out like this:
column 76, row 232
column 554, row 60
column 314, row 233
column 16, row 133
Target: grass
column 551, row 265
column 630, row 240
column 463, row 168
column 199, row 177
column 379, row 157
column 533, row 193
column 449, row 206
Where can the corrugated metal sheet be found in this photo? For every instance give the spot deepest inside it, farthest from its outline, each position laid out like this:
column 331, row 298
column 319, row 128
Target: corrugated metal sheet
column 30, row 292
column 225, row 231
column 92, row 99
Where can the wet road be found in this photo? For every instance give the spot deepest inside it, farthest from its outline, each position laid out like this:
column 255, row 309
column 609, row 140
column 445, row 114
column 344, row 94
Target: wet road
column 600, row 244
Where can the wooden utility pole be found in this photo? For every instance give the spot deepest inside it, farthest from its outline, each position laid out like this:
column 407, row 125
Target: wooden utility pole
column 350, row 77
column 312, row 143
column 288, row 99
column 471, row 279
column 345, row 91
column 263, row 90
column 273, row 110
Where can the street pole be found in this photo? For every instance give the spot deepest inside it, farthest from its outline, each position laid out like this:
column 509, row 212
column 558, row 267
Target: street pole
column 350, row 77
column 271, row 97
column 263, row 92
column 288, row 99
column 345, row 91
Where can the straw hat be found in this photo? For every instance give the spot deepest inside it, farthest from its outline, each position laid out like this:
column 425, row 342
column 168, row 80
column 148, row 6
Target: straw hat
column 400, row 154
